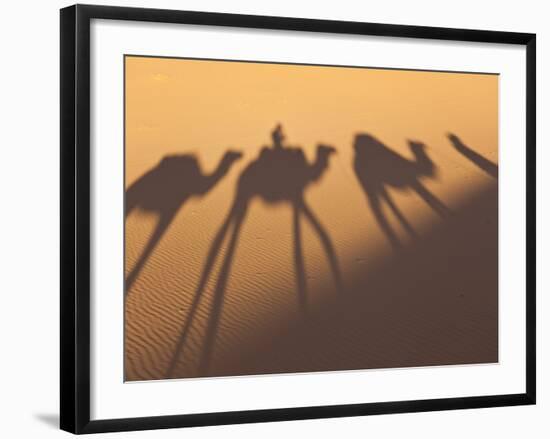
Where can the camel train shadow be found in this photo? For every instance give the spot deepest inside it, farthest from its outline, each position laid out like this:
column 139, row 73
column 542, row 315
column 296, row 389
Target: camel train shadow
column 433, row 302
column 378, row 168
column 279, row 175
column 163, row 191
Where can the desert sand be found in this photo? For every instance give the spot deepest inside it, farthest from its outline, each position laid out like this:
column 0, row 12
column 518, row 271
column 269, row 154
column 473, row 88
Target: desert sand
column 393, row 261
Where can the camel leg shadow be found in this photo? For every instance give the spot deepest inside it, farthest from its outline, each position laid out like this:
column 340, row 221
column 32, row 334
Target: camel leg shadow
column 163, row 223
column 299, row 267
column 219, row 294
column 235, row 218
column 326, row 242
column 376, row 207
column 435, row 203
column 399, row 215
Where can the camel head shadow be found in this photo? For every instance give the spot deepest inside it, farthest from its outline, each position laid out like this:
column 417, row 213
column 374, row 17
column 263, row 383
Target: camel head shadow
column 481, row 162
column 164, row 189
column 378, row 169
column 280, row 174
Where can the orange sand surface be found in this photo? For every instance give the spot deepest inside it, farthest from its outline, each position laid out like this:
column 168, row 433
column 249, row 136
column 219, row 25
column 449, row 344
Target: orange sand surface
column 386, row 257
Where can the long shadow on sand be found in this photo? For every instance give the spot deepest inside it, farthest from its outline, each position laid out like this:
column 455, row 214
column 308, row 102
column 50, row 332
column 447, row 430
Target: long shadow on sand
column 432, row 302
column 164, row 189
column 280, row 174
column 477, row 159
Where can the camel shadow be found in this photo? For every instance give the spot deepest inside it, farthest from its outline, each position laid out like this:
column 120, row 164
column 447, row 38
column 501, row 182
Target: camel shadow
column 379, row 168
column 481, row 162
column 279, row 175
column 163, row 190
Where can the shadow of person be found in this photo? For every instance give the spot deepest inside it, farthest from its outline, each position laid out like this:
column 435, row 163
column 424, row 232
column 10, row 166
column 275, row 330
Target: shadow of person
column 378, row 168
column 164, row 189
column 484, row 164
column 280, row 174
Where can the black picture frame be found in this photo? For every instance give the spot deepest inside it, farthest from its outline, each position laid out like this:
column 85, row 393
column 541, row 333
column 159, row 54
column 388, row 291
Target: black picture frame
column 75, row 217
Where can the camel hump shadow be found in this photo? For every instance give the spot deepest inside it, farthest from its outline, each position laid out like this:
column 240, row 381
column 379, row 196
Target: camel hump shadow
column 166, row 185
column 377, row 164
column 279, row 174
column 379, row 168
column 174, row 179
column 164, row 189
column 282, row 174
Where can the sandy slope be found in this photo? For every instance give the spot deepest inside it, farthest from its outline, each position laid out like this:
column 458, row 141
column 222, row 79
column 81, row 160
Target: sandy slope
column 434, row 301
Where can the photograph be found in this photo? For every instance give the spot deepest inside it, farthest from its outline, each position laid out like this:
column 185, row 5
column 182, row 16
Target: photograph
column 281, row 217
column 284, row 218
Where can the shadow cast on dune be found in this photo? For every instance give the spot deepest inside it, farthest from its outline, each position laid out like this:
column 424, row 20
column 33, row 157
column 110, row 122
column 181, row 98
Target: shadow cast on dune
column 481, row 162
column 432, row 302
column 163, row 191
column 280, row 175
column 378, row 168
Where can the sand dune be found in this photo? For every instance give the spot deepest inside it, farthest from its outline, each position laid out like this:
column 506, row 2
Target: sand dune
column 431, row 300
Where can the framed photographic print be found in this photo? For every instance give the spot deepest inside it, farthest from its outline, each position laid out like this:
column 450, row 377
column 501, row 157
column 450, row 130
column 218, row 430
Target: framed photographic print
column 267, row 218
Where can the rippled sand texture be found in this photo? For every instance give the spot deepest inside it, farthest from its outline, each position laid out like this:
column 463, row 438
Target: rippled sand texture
column 403, row 212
